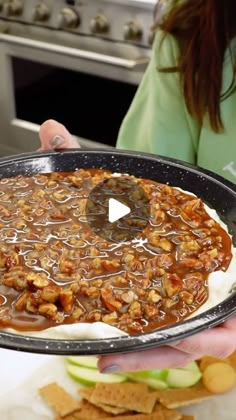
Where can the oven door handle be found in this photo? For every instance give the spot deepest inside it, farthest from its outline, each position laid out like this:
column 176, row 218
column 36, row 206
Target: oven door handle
column 137, row 64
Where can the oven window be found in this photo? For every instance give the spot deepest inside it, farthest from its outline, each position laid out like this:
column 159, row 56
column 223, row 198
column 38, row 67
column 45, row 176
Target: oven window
column 91, row 107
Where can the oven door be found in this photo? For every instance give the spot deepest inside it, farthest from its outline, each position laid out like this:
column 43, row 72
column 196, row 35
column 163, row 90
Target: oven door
column 87, row 89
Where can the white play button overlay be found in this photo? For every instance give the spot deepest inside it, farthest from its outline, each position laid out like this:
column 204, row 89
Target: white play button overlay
column 116, row 210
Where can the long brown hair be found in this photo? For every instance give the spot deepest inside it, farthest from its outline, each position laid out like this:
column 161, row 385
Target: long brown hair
column 204, row 30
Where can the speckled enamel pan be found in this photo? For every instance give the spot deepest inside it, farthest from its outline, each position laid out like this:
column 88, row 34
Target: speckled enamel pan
column 214, row 190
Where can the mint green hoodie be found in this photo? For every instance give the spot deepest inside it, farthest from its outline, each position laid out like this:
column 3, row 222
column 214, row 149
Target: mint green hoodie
column 158, row 121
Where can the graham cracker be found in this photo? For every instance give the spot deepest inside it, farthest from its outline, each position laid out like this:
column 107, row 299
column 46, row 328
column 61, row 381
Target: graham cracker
column 174, row 398
column 131, row 396
column 87, row 412
column 166, row 413
column 187, row 418
column 171, row 414
column 59, row 399
column 113, row 410
column 87, row 393
column 69, row 417
column 153, row 416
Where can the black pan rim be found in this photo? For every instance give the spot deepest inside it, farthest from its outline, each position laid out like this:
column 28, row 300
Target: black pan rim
column 127, row 153
column 125, row 344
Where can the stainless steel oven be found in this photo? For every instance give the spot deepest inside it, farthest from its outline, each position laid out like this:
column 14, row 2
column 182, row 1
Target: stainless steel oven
column 77, row 61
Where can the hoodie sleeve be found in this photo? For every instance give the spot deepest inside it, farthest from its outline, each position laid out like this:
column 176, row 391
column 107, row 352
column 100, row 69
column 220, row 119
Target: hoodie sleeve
column 157, row 120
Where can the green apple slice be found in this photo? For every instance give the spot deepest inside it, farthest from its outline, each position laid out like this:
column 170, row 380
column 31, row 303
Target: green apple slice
column 153, row 383
column 158, row 374
column 193, row 366
column 85, row 361
column 87, row 376
column 182, row 378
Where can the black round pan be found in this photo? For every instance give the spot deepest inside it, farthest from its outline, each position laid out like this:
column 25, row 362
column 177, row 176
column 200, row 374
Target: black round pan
column 214, row 190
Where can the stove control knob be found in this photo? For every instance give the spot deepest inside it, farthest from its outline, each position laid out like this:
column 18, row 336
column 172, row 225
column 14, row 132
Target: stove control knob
column 13, row 7
column 99, row 25
column 68, row 18
column 41, row 12
column 132, row 31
